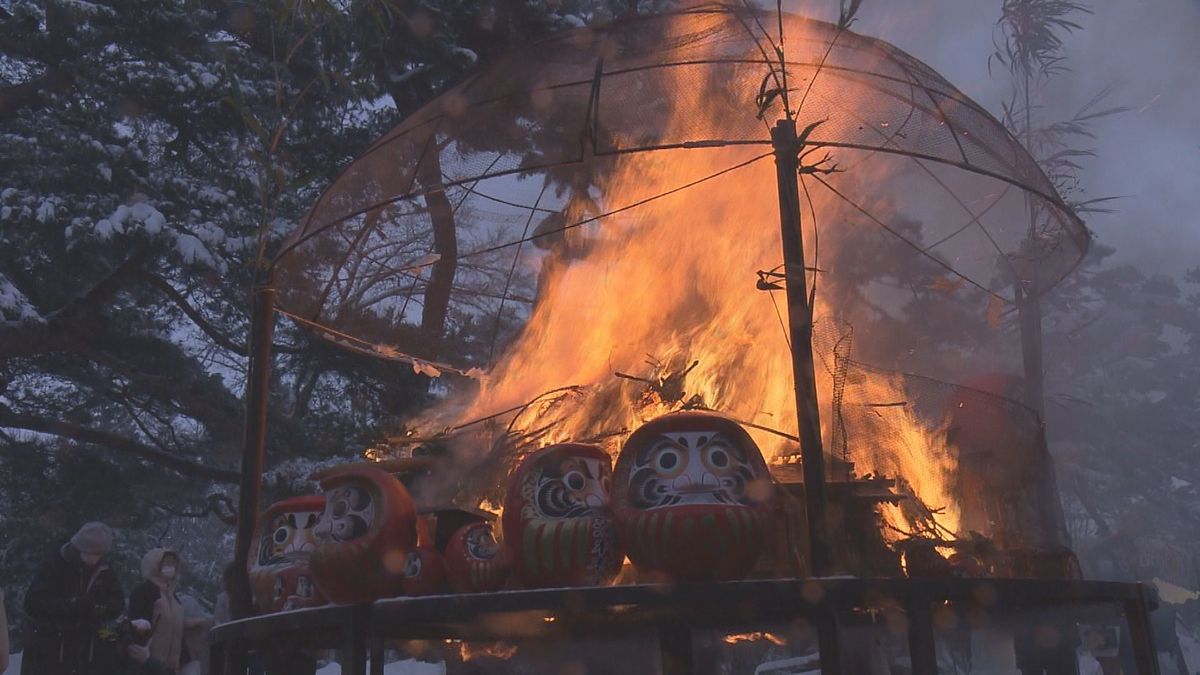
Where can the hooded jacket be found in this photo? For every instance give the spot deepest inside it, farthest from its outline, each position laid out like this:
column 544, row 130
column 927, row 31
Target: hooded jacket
column 65, row 608
column 156, row 601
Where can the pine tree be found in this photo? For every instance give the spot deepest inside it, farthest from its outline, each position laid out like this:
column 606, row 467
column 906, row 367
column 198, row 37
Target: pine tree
column 150, row 154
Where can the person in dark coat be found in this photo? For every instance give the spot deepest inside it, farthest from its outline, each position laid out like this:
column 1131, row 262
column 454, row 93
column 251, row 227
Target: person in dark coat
column 73, row 594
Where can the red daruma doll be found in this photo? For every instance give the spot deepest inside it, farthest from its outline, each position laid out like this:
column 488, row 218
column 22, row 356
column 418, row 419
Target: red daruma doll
column 285, row 539
column 424, row 570
column 366, row 532
column 558, row 524
column 475, row 563
column 692, row 497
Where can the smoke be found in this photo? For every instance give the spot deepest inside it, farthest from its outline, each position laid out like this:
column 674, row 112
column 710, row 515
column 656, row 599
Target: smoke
column 1149, row 155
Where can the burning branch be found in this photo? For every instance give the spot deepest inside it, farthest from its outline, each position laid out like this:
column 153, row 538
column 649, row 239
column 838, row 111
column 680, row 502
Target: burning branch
column 665, row 386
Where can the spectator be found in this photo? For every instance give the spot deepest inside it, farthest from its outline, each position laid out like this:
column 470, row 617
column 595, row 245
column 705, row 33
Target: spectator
column 221, row 610
column 156, row 601
column 196, row 623
column 73, row 593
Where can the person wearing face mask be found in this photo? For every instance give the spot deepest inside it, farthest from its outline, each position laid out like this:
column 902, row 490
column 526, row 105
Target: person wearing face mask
column 72, row 595
column 155, row 600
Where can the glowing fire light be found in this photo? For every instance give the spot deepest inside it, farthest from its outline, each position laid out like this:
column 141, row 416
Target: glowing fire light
column 757, row 636
column 496, row 650
column 675, row 279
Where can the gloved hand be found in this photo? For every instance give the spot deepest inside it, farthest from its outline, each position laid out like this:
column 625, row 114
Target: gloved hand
column 139, row 653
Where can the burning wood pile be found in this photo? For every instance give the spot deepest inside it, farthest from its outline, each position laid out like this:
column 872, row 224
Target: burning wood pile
column 690, row 498
column 611, row 200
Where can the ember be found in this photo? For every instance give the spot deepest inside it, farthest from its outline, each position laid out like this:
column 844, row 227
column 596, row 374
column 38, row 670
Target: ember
column 758, row 636
column 469, row 651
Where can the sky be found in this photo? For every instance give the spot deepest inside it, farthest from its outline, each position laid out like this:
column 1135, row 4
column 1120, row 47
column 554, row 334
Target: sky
column 1149, row 49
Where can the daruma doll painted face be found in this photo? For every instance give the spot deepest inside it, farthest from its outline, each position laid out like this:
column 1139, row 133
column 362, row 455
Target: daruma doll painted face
column 692, row 496
column 280, row 577
column 558, row 524
column 366, row 532
column 474, row 560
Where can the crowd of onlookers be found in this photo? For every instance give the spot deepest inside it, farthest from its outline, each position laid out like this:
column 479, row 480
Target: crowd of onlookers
column 78, row 620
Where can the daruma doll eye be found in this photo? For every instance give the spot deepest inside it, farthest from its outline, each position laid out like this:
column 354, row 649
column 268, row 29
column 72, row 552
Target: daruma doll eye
column 669, row 460
column 718, row 457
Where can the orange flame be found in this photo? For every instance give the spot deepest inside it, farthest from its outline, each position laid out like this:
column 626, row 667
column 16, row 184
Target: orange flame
column 672, row 282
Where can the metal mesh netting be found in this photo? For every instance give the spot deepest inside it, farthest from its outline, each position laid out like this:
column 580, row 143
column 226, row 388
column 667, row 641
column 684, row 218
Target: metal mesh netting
column 982, row 449
column 446, row 224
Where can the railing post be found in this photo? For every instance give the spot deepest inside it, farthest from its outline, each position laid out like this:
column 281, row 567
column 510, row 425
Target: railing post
column 1137, row 616
column 376, row 648
column 216, row 659
column 921, row 647
column 828, row 642
column 675, row 646
column 353, row 657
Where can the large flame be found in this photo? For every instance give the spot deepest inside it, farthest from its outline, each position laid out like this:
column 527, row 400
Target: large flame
column 672, row 282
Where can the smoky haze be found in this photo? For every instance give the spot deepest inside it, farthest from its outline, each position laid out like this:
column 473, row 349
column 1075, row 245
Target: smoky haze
column 1148, row 49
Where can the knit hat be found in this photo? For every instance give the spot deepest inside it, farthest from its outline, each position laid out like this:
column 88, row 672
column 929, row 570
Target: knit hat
column 94, row 537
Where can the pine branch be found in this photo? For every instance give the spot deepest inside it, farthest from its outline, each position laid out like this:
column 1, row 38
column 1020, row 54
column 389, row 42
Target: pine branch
column 116, row 443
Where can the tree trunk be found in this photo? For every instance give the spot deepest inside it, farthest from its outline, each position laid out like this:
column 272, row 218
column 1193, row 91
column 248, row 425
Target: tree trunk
column 445, row 244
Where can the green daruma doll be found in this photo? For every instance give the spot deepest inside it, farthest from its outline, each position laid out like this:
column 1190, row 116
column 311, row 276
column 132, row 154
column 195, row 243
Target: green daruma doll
column 558, row 523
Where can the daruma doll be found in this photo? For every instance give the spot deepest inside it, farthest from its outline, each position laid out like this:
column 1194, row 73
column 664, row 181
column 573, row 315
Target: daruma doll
column 692, row 497
column 558, row 523
column 475, row 563
column 424, row 572
column 284, row 540
column 366, row 532
column 424, row 569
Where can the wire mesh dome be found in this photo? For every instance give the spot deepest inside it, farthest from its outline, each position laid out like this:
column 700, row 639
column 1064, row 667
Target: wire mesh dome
column 550, row 143
column 605, row 201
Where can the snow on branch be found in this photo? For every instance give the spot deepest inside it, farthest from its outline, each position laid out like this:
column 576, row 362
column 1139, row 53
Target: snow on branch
column 14, row 306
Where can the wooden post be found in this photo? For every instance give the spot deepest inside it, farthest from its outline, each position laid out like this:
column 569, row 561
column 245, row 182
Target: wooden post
column 1026, row 291
column 783, row 138
column 258, row 378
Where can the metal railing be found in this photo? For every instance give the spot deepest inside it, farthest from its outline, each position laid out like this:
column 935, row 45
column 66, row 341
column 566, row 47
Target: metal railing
column 675, row 612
